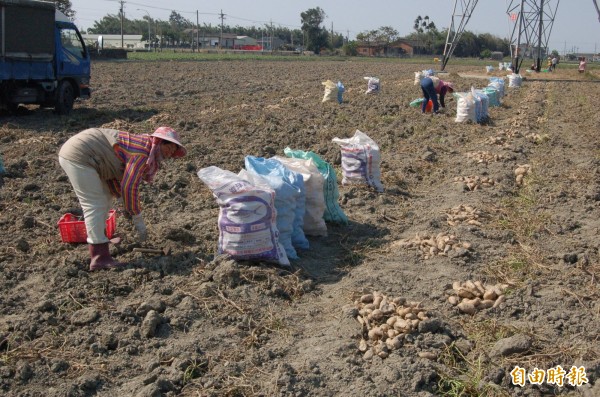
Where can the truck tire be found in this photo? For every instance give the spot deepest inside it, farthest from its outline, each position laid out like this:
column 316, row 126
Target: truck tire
column 12, row 107
column 64, row 98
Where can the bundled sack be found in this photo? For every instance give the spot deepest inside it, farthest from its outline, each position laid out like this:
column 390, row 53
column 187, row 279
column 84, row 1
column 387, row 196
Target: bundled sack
column 422, row 74
column 247, row 216
column 477, row 106
column 492, row 94
column 418, row 77
column 465, row 107
column 416, row 103
column 489, row 69
column 290, row 199
column 333, row 211
column 373, row 86
column 314, row 224
column 340, row 93
column 331, row 90
column 515, row 80
column 481, row 110
column 419, row 101
column 360, row 161
column 498, row 84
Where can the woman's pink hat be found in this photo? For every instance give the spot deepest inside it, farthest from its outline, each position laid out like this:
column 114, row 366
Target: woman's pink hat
column 169, row 134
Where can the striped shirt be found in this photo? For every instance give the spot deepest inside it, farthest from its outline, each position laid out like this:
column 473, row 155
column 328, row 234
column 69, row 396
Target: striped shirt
column 133, row 151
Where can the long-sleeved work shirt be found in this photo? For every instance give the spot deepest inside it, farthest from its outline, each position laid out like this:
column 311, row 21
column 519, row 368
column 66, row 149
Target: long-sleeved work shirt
column 133, row 151
column 119, row 157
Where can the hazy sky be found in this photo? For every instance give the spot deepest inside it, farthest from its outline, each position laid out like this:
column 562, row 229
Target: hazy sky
column 576, row 26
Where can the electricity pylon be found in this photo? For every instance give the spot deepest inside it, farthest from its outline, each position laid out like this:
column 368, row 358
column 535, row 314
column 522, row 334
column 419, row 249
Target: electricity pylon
column 533, row 22
column 462, row 14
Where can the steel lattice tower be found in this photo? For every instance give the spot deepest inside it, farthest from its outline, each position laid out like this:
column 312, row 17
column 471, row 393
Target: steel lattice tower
column 455, row 31
column 531, row 32
column 533, row 21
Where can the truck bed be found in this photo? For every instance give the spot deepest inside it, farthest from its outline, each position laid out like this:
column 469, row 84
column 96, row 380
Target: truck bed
column 16, row 69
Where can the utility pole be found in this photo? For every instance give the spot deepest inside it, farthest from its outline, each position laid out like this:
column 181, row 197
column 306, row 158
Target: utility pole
column 332, row 35
column 121, row 12
column 303, row 43
column 197, row 32
column 221, row 39
column 271, row 45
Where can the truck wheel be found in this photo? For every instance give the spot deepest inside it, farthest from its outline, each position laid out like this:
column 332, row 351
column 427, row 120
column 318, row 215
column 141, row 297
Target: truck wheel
column 12, row 107
column 65, row 98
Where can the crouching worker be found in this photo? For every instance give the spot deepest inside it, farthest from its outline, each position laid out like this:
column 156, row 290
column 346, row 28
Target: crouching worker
column 431, row 87
column 102, row 163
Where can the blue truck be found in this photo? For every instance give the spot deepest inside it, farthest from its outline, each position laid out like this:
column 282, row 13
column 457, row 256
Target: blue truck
column 43, row 58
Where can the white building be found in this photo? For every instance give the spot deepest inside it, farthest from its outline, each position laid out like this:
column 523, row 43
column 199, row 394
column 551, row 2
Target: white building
column 131, row 41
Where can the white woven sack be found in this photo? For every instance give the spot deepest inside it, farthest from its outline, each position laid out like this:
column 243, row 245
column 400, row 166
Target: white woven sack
column 247, row 217
column 331, row 90
column 360, row 161
column 373, row 85
column 314, row 224
column 418, row 77
column 465, row 108
column 515, row 80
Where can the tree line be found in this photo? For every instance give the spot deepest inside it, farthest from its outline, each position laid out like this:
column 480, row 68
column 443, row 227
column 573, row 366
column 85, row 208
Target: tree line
column 425, row 38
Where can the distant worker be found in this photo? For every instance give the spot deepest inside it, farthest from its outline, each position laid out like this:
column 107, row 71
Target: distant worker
column 554, row 63
column 549, row 64
column 534, row 67
column 431, row 87
column 582, row 64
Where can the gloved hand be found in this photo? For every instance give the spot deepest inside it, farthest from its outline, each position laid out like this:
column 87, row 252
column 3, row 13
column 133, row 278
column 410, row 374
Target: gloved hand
column 140, row 226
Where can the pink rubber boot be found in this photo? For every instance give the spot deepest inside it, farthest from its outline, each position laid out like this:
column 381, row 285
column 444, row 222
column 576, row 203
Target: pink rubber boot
column 101, row 258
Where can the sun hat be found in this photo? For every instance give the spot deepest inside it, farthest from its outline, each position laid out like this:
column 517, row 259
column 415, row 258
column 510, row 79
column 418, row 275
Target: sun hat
column 169, row 134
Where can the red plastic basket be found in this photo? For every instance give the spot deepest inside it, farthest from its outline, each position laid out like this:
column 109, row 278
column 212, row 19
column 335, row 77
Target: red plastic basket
column 72, row 230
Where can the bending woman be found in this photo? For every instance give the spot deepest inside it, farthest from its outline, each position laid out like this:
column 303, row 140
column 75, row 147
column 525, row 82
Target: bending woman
column 102, row 163
column 431, row 87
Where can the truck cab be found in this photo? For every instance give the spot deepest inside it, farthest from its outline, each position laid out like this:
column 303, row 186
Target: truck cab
column 43, row 58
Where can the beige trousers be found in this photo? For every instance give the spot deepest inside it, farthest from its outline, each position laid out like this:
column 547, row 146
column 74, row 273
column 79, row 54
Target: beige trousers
column 94, row 196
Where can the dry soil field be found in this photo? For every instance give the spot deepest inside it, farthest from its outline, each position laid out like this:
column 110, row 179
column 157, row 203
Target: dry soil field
column 454, row 212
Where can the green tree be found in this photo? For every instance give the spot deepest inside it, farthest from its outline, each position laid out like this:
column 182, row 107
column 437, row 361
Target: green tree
column 65, row 7
column 426, row 34
column 417, row 24
column 468, row 46
column 423, row 25
column 178, row 25
column 493, row 43
column 382, row 37
column 316, row 35
column 111, row 24
column 388, row 34
column 369, row 37
column 351, row 48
